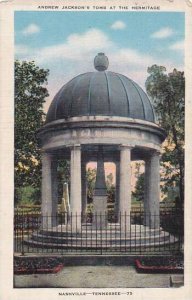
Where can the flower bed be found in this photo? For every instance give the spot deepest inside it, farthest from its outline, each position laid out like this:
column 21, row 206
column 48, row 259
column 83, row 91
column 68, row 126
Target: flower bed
column 160, row 265
column 24, row 266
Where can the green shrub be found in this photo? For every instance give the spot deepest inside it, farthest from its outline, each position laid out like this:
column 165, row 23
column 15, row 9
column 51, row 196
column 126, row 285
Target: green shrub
column 28, row 195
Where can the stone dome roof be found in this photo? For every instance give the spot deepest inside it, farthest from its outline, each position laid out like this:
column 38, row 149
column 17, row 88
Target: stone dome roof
column 101, row 93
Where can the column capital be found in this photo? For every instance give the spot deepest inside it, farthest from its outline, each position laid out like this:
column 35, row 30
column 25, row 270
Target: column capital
column 152, row 153
column 125, row 146
column 52, row 157
column 47, row 154
column 155, row 152
column 75, row 147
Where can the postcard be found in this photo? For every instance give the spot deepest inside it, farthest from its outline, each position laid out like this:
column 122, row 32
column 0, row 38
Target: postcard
column 95, row 127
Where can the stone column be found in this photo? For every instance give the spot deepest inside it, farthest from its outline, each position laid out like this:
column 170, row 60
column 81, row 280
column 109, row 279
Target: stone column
column 125, row 186
column 75, row 188
column 49, row 191
column 117, row 190
column 84, row 190
column 146, row 192
column 152, row 190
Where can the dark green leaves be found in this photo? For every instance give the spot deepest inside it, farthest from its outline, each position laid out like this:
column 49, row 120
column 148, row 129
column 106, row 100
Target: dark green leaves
column 30, row 94
column 167, row 92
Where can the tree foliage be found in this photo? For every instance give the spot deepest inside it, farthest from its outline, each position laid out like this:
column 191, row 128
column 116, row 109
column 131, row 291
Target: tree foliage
column 139, row 188
column 91, row 179
column 63, row 176
column 110, row 188
column 30, row 94
column 167, row 92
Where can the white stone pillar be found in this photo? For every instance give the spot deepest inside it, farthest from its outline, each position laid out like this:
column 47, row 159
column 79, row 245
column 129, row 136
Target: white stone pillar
column 125, row 186
column 117, row 190
column 84, row 190
column 75, row 188
column 49, row 191
column 152, row 190
column 146, row 192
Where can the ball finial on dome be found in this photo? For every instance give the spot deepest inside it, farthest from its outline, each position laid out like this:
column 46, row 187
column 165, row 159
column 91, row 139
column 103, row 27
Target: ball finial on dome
column 101, row 62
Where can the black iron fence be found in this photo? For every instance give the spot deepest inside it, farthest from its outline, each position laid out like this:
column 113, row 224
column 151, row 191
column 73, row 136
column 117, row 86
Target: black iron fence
column 99, row 233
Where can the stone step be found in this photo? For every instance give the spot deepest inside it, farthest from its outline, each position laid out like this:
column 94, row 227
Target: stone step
column 99, row 245
column 177, row 280
column 162, row 237
column 134, row 231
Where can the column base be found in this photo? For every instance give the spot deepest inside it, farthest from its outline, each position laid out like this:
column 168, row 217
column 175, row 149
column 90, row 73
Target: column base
column 75, row 222
column 48, row 222
column 125, row 221
column 152, row 220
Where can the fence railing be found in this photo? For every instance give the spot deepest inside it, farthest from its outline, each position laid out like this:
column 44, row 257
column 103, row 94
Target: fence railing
column 137, row 232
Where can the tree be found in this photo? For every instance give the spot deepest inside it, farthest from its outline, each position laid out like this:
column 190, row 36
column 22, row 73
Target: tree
column 30, row 94
column 91, row 179
column 110, row 189
column 167, row 92
column 139, row 188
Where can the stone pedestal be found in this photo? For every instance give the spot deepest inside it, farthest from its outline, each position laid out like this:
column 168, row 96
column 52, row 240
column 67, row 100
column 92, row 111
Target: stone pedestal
column 125, row 186
column 152, row 190
column 75, row 188
column 100, row 194
column 49, row 191
column 100, row 212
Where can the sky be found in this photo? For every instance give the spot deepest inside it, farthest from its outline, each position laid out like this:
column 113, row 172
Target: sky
column 67, row 42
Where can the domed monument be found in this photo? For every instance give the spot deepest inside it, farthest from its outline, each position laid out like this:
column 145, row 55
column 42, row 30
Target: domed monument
column 100, row 116
column 102, row 93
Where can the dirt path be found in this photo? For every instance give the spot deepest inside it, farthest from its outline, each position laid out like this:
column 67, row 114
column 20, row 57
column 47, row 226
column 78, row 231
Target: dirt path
column 95, row 277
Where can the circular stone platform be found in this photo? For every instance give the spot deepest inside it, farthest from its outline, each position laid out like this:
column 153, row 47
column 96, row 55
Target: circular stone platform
column 112, row 238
